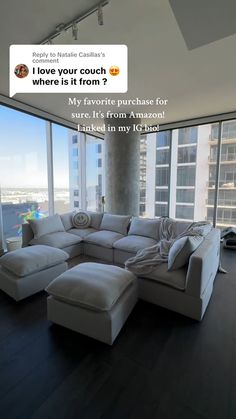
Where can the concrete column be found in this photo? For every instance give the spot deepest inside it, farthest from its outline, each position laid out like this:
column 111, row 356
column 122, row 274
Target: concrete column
column 122, row 166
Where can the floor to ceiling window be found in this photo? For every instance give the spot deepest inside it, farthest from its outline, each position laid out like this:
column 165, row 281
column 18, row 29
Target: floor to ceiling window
column 191, row 181
column 185, row 172
column 94, row 173
column 162, row 173
column 76, row 156
column 226, row 205
column 23, row 169
column 86, row 166
column 73, row 169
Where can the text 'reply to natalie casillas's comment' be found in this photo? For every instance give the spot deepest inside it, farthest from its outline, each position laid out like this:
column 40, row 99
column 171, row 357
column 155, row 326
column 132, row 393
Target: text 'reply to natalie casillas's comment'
column 68, row 69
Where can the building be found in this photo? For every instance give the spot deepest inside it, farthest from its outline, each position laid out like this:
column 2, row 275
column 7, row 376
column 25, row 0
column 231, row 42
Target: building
column 226, row 209
column 185, row 173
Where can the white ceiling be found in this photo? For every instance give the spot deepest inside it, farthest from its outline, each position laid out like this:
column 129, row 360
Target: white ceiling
column 204, row 21
column 197, row 82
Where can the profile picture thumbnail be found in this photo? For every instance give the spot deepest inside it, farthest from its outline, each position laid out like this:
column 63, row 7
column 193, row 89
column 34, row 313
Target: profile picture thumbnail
column 21, row 71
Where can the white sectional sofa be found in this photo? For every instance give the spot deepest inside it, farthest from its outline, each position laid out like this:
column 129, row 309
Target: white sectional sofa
column 115, row 238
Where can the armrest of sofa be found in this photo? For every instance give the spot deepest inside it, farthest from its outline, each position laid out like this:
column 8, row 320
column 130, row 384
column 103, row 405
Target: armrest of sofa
column 27, row 234
column 203, row 264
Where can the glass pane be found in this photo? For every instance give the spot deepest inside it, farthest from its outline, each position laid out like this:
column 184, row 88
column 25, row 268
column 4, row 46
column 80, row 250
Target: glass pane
column 23, row 169
column 65, row 156
column 94, row 173
column 154, row 174
column 226, row 209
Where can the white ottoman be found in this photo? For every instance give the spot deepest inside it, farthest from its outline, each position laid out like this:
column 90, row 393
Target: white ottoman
column 25, row 271
column 93, row 299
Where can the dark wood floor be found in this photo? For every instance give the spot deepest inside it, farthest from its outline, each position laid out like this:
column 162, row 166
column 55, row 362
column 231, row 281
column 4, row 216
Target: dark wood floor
column 162, row 365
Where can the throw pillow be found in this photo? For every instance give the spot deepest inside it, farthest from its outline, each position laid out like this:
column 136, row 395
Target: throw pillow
column 81, row 219
column 181, row 250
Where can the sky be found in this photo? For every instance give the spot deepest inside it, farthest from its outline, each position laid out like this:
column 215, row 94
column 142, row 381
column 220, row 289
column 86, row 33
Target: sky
column 23, row 159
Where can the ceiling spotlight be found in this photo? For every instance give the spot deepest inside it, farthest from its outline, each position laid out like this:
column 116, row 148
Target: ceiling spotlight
column 75, row 31
column 100, row 15
column 73, row 24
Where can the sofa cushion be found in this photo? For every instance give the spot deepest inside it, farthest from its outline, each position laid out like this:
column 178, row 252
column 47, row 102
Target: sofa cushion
column 103, row 238
column 66, row 219
column 47, row 225
column 145, row 227
column 164, row 276
column 96, row 219
column 81, row 219
column 82, row 232
column 181, row 250
column 117, row 223
column 94, row 286
column 31, row 259
column 59, row 240
column 134, row 243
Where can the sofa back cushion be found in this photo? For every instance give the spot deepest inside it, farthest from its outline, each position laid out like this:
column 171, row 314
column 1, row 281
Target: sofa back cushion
column 181, row 251
column 47, row 225
column 117, row 223
column 66, row 219
column 145, row 227
column 96, row 219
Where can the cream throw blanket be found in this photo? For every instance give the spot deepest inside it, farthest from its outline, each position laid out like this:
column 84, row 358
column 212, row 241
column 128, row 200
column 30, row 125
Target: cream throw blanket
column 146, row 260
